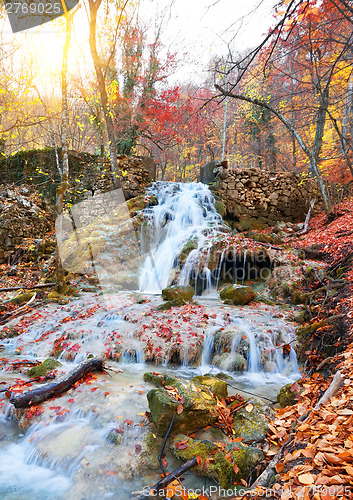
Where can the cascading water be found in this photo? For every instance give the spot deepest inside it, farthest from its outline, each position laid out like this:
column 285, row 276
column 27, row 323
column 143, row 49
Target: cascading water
column 185, row 212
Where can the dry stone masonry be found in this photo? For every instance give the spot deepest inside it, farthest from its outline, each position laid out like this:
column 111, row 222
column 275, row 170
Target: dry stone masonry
column 23, row 217
column 265, row 196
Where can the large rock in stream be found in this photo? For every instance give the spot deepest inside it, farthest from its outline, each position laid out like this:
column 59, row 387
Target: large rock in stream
column 215, row 464
column 178, row 295
column 195, row 396
column 237, row 295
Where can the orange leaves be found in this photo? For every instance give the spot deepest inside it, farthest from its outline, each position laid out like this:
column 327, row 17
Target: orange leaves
column 180, row 409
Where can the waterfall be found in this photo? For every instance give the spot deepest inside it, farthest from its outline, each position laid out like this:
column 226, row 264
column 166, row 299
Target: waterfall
column 185, row 215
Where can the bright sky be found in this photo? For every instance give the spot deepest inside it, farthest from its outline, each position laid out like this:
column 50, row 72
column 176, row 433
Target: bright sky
column 197, row 29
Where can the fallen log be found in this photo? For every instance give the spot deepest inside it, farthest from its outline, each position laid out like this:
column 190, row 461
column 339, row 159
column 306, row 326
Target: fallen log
column 34, row 287
column 56, row 388
column 163, row 483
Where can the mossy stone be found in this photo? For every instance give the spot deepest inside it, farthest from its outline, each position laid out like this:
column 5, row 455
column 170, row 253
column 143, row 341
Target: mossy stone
column 114, row 437
column 199, row 408
column 152, row 446
column 220, row 207
column 302, row 316
column 22, row 298
column 217, row 386
column 41, row 370
column 237, row 295
column 190, row 245
column 159, row 379
column 165, row 306
column 178, row 294
column 245, row 457
column 250, row 425
column 299, row 297
column 287, row 397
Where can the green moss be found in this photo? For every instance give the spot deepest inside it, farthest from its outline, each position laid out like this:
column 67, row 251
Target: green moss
column 245, row 457
column 114, row 437
column 152, row 446
column 41, row 370
column 22, row 298
column 287, row 397
column 159, row 379
column 299, row 297
column 237, row 295
column 165, row 306
column 217, row 386
column 251, row 426
column 220, row 207
column 199, row 407
column 178, row 294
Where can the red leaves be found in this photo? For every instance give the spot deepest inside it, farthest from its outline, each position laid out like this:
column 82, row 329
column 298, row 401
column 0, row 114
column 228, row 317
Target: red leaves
column 180, row 409
column 182, row 445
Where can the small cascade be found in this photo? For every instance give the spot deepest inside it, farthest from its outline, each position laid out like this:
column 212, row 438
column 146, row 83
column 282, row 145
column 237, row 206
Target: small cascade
column 208, row 345
column 263, row 346
column 182, row 223
column 253, row 343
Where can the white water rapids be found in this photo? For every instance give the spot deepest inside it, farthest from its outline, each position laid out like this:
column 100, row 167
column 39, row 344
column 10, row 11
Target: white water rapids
column 184, row 211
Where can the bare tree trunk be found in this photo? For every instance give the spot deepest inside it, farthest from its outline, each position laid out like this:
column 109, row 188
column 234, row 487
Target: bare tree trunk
column 311, row 155
column 224, row 134
column 94, row 6
column 61, row 190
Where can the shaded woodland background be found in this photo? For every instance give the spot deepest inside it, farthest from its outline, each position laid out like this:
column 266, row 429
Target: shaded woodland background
column 303, row 70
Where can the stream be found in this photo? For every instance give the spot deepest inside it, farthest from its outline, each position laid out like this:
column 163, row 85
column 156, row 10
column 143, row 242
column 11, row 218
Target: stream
column 89, row 443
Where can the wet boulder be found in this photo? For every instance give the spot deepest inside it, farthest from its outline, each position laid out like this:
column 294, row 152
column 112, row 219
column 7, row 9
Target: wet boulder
column 214, row 384
column 288, row 395
column 237, row 295
column 178, row 295
column 194, row 405
column 250, row 423
column 239, row 457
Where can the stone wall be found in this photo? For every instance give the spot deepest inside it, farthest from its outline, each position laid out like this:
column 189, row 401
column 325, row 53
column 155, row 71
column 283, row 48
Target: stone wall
column 27, row 215
column 23, row 218
column 265, row 196
column 134, row 174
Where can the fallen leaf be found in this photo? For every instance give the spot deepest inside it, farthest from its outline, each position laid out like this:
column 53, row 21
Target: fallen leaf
column 306, row 478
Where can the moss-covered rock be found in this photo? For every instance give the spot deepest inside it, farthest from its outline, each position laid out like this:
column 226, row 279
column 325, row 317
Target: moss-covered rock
column 190, row 245
column 114, row 437
column 302, row 316
column 165, row 306
column 251, row 425
column 237, row 295
column 299, row 297
column 199, row 406
column 159, row 379
column 244, row 457
column 152, row 446
column 220, row 207
column 22, row 298
column 217, row 386
column 41, row 370
column 9, row 332
column 178, row 294
column 287, row 396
